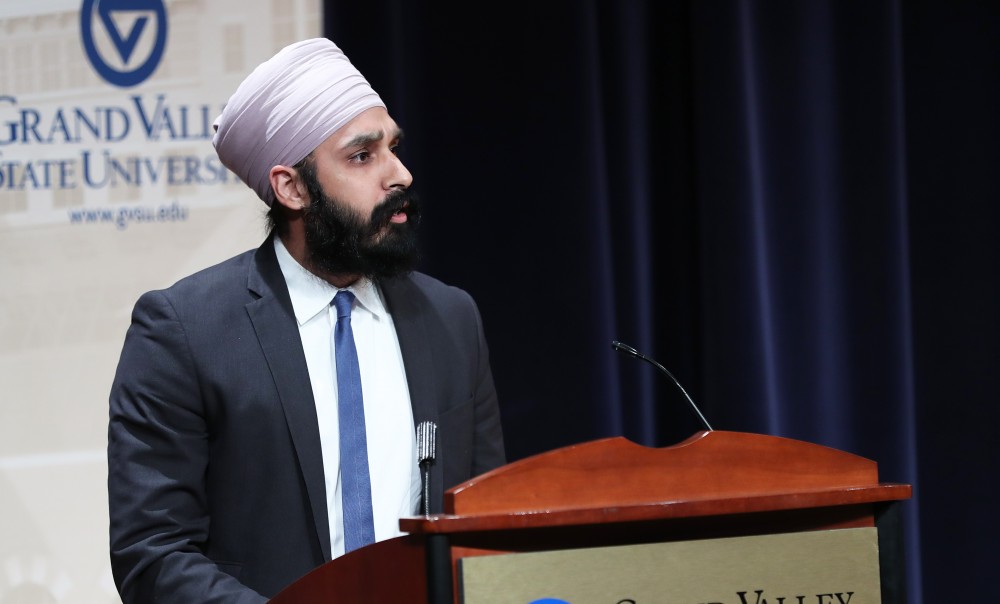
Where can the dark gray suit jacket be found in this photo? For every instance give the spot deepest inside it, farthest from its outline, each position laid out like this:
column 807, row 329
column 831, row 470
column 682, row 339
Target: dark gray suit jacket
column 216, row 485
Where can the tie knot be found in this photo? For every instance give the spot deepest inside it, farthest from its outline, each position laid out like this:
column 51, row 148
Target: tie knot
column 342, row 302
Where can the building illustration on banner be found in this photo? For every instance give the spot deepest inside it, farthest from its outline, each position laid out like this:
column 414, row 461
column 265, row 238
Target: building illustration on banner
column 109, row 187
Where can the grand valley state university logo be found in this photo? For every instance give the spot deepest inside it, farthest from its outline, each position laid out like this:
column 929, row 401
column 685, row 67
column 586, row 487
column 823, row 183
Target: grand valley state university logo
column 124, row 39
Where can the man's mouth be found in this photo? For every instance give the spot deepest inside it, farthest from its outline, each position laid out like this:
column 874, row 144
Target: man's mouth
column 400, row 214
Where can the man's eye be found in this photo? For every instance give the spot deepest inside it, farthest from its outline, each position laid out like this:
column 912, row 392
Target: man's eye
column 360, row 156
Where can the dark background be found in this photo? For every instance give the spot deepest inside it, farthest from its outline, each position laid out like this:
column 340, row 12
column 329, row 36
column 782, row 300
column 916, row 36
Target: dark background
column 791, row 205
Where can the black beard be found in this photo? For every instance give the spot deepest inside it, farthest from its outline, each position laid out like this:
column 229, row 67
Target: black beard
column 339, row 242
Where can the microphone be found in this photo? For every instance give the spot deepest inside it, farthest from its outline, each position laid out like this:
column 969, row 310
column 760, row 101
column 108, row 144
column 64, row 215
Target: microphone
column 621, row 347
column 426, row 451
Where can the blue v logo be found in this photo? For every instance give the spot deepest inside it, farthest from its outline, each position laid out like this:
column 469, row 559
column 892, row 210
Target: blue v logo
column 113, row 30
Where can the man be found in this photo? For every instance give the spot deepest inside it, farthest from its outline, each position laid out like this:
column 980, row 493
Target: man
column 233, row 457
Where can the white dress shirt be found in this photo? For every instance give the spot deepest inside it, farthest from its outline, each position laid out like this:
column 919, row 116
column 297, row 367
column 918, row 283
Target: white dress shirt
column 392, row 452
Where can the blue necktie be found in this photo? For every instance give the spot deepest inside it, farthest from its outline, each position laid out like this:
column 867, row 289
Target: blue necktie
column 359, row 526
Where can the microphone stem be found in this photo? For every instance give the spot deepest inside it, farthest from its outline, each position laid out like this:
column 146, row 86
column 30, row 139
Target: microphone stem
column 425, row 503
column 622, row 347
column 678, row 384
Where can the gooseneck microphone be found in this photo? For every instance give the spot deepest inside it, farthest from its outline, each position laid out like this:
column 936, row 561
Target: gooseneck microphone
column 619, row 346
column 426, row 452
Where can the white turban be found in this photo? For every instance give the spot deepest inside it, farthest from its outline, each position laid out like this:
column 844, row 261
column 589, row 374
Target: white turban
column 286, row 107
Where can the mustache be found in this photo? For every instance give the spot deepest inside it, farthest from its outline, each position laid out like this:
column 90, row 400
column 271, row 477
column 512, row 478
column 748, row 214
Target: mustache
column 400, row 200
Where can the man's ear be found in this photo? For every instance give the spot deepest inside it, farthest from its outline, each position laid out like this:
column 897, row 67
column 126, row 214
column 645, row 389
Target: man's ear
column 288, row 187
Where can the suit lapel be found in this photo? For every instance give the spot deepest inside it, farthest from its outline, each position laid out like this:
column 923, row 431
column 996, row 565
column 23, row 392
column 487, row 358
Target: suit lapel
column 277, row 332
column 404, row 301
column 408, row 307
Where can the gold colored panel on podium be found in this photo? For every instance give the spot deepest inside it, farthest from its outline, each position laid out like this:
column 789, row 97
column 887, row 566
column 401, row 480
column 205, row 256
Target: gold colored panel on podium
column 816, row 567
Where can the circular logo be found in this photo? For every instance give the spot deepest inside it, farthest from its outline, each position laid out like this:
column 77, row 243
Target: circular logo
column 124, row 39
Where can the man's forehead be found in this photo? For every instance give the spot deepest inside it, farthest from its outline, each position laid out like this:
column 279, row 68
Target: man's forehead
column 371, row 126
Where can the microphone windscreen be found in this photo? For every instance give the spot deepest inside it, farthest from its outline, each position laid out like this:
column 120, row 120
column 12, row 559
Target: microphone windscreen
column 426, row 441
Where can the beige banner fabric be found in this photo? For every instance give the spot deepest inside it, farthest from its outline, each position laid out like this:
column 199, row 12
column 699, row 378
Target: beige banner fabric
column 109, row 186
column 818, row 567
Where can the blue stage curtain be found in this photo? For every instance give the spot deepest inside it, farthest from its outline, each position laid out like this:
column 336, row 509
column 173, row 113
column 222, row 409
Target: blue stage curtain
column 791, row 205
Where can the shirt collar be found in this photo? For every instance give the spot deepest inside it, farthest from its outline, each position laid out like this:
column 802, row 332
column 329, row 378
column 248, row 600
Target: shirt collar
column 311, row 295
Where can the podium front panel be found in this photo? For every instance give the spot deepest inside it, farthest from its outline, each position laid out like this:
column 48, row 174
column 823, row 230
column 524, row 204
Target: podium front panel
column 833, row 567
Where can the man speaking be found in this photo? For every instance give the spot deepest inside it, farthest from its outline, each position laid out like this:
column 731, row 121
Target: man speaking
column 262, row 415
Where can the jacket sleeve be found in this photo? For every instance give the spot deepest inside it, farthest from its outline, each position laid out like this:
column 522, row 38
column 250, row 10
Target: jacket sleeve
column 157, row 462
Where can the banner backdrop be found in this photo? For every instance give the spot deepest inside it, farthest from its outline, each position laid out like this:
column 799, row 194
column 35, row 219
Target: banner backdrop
column 109, row 186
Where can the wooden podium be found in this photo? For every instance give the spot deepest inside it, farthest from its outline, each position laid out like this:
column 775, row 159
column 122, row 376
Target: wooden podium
column 613, row 492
